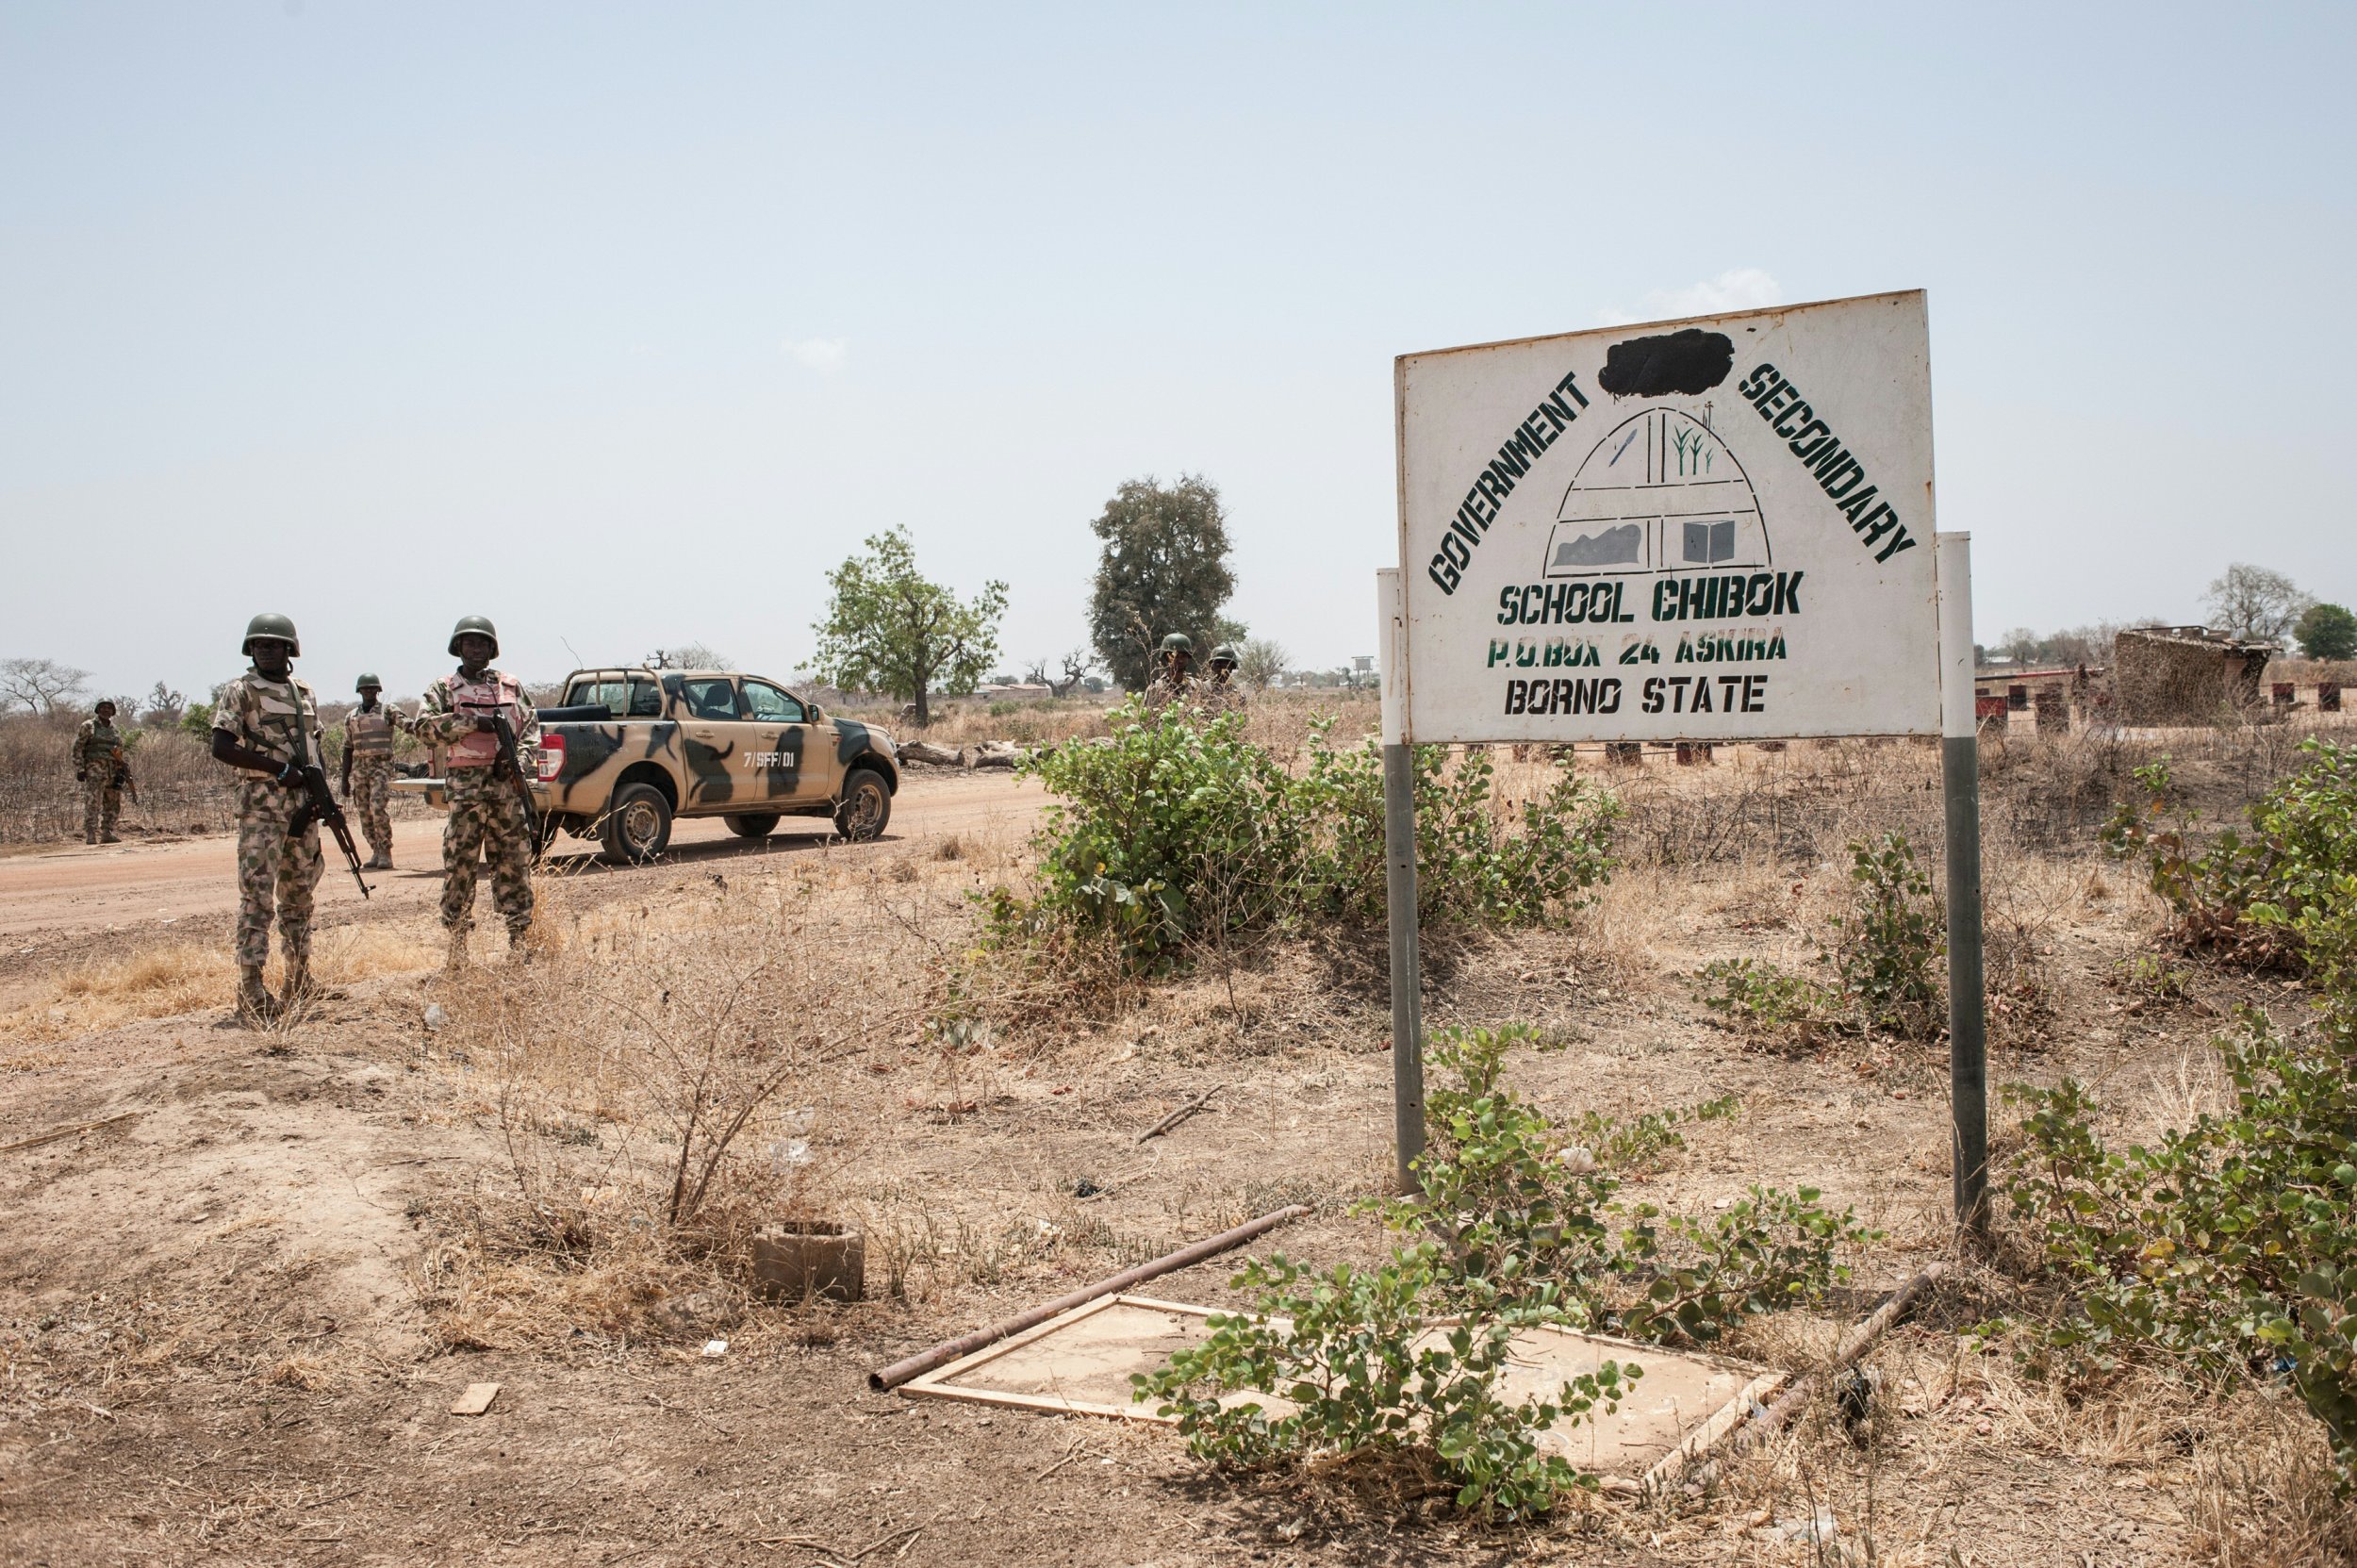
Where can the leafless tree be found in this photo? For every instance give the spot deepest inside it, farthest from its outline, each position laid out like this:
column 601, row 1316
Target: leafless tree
column 1260, row 660
column 1076, row 668
column 40, row 685
column 162, row 707
column 2252, row 602
column 693, row 655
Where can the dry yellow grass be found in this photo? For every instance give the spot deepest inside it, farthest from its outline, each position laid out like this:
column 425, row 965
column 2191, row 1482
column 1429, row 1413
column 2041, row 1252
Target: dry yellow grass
column 188, row 977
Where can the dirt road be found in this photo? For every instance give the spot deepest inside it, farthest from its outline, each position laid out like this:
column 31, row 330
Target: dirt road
column 79, row 889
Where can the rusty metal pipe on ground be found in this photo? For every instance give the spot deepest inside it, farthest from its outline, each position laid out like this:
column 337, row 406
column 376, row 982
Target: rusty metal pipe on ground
column 1795, row 1399
column 948, row 1351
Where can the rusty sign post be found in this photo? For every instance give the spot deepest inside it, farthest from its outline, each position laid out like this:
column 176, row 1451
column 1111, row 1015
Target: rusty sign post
column 1700, row 530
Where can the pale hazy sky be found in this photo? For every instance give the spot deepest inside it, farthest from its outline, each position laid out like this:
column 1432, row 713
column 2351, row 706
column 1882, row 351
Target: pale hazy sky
column 623, row 323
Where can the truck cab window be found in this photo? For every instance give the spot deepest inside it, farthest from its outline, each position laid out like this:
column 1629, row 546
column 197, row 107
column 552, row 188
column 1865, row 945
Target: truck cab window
column 767, row 704
column 607, row 694
column 711, row 697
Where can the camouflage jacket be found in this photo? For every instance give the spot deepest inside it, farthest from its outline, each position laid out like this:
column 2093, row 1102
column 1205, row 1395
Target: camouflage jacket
column 95, row 743
column 1220, row 695
column 1170, row 686
column 446, row 717
column 278, row 718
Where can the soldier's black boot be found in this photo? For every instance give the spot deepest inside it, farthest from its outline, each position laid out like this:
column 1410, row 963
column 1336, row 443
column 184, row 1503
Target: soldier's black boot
column 300, row 989
column 256, row 1005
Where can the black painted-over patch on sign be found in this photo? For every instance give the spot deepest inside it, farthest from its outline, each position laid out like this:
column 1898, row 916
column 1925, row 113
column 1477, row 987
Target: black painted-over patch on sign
column 1689, row 361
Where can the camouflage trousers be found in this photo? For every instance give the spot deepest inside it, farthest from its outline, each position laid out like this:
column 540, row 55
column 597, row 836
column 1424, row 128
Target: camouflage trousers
column 487, row 820
column 275, row 868
column 101, row 805
column 371, row 797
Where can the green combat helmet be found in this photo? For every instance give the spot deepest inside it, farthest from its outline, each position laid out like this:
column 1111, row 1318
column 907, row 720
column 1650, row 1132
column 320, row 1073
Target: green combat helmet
column 474, row 623
column 277, row 626
column 367, row 681
column 1177, row 643
column 1225, row 654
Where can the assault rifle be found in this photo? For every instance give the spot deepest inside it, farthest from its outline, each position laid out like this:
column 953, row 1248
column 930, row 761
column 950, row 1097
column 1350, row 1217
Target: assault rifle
column 318, row 804
column 511, row 764
column 124, row 781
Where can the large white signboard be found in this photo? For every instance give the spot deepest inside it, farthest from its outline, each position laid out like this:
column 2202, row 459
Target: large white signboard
column 1708, row 530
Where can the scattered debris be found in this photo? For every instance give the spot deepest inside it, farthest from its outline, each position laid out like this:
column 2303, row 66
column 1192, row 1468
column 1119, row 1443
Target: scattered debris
column 716, row 1348
column 60, row 1134
column 1197, row 1103
column 476, row 1399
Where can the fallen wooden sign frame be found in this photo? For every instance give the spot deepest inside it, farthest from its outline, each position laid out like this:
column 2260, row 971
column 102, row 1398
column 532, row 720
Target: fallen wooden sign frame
column 1079, row 1363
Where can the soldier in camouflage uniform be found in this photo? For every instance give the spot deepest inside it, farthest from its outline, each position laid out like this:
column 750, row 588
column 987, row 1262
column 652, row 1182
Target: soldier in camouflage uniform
column 1174, row 681
column 367, row 782
column 1222, row 692
column 98, row 768
column 266, row 726
column 487, row 808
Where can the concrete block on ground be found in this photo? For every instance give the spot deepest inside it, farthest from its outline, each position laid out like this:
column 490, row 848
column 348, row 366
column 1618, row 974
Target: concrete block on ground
column 805, row 1260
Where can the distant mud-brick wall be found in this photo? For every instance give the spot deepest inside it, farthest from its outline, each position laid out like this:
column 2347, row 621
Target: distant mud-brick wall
column 2184, row 675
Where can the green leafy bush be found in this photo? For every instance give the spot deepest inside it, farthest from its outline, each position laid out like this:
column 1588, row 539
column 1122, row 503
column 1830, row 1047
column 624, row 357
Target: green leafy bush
column 1469, row 868
column 1888, row 951
column 1362, row 1367
column 1524, row 1209
column 2302, row 841
column 2231, row 1246
column 1147, row 830
column 1758, row 996
column 1883, row 951
column 1176, row 827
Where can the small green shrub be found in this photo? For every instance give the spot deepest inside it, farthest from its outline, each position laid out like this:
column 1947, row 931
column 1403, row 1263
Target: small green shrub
column 1523, row 1207
column 1888, row 944
column 2152, row 976
column 2302, row 841
column 1358, row 1358
column 1762, row 997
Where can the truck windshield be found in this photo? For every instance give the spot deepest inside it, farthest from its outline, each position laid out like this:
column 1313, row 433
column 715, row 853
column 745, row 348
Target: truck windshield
column 634, row 697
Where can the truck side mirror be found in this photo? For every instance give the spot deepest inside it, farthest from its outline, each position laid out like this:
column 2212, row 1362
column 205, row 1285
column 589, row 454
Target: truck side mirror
column 814, row 712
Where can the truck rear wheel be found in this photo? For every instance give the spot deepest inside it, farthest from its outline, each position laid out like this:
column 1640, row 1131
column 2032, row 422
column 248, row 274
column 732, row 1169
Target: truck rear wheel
column 638, row 825
column 753, row 824
column 865, row 806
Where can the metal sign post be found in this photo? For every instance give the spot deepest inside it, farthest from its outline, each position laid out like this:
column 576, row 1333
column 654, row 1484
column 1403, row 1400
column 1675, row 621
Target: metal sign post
column 1711, row 530
column 1960, row 781
column 1399, row 892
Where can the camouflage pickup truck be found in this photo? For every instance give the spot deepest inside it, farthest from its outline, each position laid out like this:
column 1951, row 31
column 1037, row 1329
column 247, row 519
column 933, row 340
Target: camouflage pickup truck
column 628, row 751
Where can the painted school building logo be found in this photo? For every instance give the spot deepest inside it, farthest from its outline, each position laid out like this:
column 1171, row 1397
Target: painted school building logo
column 1659, row 494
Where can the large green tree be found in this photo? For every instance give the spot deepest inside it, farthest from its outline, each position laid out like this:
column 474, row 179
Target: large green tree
column 889, row 629
column 1163, row 570
column 2327, row 632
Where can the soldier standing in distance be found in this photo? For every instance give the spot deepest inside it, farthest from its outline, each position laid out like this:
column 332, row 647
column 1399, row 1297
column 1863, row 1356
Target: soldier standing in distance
column 487, row 811
column 98, row 768
column 266, row 726
column 368, row 763
column 1222, row 693
column 1174, row 681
